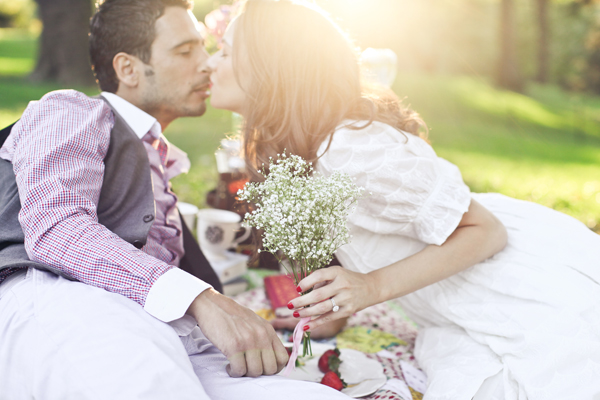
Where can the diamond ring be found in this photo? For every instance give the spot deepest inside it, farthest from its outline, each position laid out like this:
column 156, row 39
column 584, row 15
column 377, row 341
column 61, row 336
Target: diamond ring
column 335, row 306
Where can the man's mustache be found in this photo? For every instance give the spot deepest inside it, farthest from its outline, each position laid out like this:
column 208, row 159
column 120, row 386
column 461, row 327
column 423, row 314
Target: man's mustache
column 204, row 85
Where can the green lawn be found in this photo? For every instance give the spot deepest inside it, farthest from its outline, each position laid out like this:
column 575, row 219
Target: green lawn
column 543, row 146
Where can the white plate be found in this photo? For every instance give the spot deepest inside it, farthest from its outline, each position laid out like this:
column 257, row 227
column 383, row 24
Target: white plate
column 362, row 374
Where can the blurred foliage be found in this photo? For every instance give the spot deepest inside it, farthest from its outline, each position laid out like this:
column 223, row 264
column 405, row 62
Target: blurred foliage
column 203, row 7
column 542, row 145
column 16, row 13
column 462, row 36
column 592, row 66
column 445, row 36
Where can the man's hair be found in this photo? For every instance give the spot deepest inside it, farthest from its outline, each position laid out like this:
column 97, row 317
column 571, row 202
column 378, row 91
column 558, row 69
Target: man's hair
column 124, row 26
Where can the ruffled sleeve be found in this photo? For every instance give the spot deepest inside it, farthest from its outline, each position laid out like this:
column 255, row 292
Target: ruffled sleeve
column 410, row 191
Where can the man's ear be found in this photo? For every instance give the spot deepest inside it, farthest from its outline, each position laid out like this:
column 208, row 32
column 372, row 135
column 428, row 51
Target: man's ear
column 126, row 68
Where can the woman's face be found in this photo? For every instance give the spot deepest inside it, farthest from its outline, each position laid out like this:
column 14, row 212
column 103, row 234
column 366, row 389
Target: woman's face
column 226, row 92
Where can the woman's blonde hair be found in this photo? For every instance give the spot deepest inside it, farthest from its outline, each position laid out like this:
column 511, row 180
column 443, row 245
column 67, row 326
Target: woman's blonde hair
column 303, row 81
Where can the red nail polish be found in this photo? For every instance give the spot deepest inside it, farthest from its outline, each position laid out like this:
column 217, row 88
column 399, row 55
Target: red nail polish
column 299, row 289
column 296, row 314
column 305, row 328
column 290, row 306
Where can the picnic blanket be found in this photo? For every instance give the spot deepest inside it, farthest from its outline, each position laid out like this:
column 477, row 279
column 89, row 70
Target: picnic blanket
column 383, row 333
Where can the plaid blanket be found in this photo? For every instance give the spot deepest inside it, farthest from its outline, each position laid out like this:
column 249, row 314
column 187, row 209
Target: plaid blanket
column 399, row 364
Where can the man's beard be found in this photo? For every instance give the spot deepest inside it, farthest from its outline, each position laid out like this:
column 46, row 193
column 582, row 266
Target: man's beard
column 156, row 101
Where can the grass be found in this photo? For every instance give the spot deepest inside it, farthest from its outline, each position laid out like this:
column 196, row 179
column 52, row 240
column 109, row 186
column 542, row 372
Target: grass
column 542, row 146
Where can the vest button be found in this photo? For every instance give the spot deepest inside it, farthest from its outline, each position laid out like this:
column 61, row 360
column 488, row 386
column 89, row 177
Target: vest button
column 148, row 218
column 138, row 244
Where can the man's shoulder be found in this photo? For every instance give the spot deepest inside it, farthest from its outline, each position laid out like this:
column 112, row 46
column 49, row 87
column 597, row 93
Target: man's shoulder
column 70, row 105
column 64, row 114
column 71, row 98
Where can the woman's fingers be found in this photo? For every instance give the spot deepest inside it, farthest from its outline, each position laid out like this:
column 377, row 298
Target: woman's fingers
column 322, row 282
column 326, row 318
column 314, row 297
column 316, row 309
column 351, row 291
column 319, row 276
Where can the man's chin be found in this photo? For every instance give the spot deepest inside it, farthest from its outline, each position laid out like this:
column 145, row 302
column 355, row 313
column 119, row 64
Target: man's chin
column 196, row 111
column 202, row 109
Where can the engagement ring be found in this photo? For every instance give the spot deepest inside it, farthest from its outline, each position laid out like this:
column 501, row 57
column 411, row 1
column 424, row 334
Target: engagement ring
column 335, row 306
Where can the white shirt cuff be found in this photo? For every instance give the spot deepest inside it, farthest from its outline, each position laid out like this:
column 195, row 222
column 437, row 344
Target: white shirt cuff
column 172, row 294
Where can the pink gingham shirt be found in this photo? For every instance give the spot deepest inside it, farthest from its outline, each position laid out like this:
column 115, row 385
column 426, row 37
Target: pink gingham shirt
column 57, row 151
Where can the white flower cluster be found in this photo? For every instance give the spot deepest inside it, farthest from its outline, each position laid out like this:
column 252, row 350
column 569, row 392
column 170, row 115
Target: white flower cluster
column 302, row 214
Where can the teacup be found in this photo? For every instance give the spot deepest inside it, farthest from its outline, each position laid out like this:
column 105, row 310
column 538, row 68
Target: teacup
column 188, row 213
column 217, row 230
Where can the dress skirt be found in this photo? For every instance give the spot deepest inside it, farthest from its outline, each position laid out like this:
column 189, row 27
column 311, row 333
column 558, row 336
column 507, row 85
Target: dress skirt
column 530, row 313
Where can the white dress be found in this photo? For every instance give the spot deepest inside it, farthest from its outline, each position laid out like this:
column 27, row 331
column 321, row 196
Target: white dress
column 529, row 316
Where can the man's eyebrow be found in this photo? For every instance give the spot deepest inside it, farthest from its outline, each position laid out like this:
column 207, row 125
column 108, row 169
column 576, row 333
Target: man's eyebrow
column 189, row 41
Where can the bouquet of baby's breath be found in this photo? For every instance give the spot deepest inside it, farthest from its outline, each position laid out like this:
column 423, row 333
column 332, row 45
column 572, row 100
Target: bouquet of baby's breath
column 302, row 214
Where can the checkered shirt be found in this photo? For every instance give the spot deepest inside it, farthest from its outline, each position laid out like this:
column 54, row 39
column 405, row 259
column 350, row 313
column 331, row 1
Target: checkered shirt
column 57, row 151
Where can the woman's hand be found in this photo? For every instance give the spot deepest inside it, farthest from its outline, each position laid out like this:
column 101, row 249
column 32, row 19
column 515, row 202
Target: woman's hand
column 478, row 236
column 351, row 291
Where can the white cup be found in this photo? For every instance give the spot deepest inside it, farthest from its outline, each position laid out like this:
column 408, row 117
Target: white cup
column 188, row 213
column 216, row 231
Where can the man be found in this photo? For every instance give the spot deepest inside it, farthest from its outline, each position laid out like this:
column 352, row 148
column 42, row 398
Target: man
column 92, row 304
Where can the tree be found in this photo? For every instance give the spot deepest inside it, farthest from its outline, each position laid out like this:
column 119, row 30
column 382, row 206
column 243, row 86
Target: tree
column 592, row 70
column 63, row 47
column 592, row 73
column 543, row 41
column 509, row 75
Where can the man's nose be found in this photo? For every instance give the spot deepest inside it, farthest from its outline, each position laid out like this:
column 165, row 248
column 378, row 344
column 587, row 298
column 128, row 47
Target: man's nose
column 204, row 58
column 211, row 63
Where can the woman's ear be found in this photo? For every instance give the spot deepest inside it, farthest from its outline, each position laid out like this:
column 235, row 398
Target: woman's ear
column 126, row 68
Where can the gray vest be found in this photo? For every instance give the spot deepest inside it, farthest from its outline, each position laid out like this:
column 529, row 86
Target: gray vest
column 126, row 206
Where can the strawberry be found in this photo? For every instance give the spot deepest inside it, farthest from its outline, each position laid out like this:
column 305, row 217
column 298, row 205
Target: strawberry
column 289, row 351
column 332, row 379
column 330, row 361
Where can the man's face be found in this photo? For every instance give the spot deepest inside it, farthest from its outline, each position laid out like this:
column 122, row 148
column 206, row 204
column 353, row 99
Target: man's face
column 175, row 83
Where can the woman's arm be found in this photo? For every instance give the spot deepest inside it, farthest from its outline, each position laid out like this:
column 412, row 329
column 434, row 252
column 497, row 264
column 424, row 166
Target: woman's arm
column 478, row 236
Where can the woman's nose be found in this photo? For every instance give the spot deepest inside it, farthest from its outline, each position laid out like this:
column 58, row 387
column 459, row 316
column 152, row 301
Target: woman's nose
column 204, row 62
column 211, row 63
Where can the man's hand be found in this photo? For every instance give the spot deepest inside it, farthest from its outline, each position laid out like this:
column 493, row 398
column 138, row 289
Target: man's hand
column 248, row 341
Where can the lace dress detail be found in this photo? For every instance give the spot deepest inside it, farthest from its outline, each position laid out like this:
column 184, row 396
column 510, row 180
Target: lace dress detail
column 413, row 192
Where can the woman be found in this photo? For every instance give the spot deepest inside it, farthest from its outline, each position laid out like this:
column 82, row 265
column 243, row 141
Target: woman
column 506, row 313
